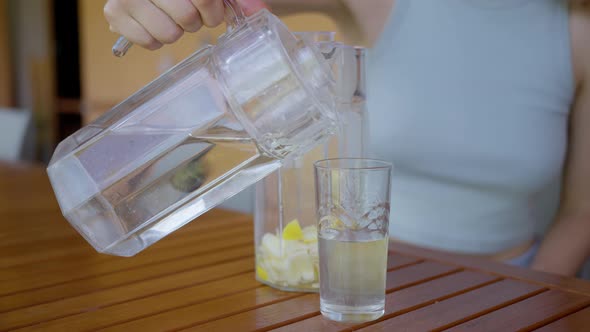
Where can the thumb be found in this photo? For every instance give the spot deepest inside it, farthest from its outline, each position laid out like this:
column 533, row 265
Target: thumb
column 250, row 7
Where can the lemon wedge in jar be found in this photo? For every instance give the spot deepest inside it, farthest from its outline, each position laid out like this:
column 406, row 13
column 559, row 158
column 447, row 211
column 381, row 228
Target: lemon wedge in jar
column 261, row 272
column 293, row 231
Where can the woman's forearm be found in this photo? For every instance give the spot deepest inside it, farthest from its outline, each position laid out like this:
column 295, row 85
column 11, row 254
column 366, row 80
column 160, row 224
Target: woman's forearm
column 566, row 246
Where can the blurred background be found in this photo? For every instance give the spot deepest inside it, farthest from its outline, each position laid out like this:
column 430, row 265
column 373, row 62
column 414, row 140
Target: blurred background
column 57, row 72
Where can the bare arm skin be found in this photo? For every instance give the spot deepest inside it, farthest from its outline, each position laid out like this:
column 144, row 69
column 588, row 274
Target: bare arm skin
column 567, row 244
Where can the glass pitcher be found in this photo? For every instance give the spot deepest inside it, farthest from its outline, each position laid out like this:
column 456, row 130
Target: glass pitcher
column 285, row 213
column 213, row 125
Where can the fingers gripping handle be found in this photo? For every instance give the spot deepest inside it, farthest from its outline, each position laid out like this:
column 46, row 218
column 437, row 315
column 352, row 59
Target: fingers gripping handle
column 234, row 16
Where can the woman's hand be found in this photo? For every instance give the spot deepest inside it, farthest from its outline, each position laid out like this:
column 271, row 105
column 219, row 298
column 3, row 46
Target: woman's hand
column 153, row 23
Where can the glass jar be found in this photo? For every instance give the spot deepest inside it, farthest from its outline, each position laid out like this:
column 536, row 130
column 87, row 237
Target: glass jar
column 285, row 212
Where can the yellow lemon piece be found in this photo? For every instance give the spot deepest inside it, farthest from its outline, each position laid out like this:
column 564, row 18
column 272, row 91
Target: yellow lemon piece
column 293, row 231
column 310, row 234
column 262, row 274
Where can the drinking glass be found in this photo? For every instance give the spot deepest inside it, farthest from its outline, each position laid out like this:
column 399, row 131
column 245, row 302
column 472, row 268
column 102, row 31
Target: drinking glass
column 353, row 211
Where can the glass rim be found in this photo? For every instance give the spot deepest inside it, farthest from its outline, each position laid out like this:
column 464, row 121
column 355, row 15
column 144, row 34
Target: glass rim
column 367, row 164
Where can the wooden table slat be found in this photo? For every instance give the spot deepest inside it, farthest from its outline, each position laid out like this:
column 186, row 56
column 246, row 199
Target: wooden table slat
column 265, row 317
column 546, row 279
column 51, row 240
column 169, row 249
column 139, row 273
column 50, row 272
column 130, row 286
column 527, row 314
column 400, row 278
column 201, row 277
column 578, row 321
column 50, row 226
column 416, row 274
column 227, row 307
column 396, row 261
column 405, row 300
column 101, row 309
column 43, row 222
column 457, row 309
column 75, row 305
column 61, row 251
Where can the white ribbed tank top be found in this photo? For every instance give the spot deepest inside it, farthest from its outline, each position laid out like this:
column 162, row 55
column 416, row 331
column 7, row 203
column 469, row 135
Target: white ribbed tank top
column 470, row 101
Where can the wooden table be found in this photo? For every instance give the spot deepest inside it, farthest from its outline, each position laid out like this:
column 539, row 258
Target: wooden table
column 201, row 278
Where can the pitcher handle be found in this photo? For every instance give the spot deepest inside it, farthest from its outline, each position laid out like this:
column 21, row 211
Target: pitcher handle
column 234, row 17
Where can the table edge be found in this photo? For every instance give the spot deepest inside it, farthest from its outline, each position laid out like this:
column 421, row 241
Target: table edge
column 575, row 285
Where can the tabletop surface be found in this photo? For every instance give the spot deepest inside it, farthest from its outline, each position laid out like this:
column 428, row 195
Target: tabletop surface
column 201, row 278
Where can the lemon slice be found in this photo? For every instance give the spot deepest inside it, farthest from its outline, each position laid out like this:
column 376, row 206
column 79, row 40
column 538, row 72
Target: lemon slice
column 293, row 231
column 262, row 274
